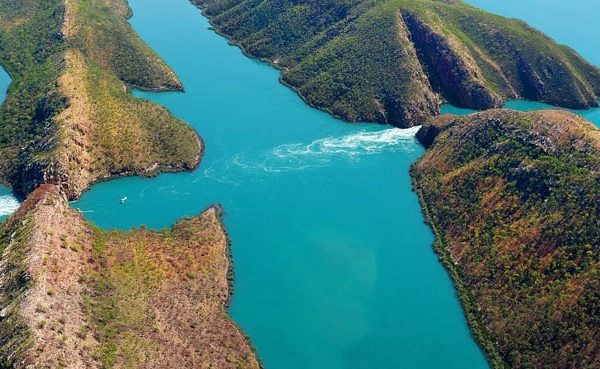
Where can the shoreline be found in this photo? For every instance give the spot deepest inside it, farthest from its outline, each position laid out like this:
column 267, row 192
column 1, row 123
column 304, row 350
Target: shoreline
column 280, row 69
column 220, row 213
column 468, row 303
column 160, row 169
column 54, row 222
column 230, row 41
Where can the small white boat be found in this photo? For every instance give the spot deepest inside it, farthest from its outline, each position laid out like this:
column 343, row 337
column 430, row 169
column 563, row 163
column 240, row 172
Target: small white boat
column 123, row 200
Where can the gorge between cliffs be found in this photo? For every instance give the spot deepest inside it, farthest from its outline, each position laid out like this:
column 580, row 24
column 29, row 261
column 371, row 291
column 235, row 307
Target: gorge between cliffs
column 333, row 261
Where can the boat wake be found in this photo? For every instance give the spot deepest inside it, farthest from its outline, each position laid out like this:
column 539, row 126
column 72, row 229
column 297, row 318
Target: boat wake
column 298, row 156
column 8, row 205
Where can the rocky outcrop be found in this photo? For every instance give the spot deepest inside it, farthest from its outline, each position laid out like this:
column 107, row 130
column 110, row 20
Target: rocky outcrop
column 430, row 130
column 450, row 69
column 513, row 199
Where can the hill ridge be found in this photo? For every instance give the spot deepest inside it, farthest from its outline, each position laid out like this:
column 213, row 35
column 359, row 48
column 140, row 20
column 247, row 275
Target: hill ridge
column 344, row 56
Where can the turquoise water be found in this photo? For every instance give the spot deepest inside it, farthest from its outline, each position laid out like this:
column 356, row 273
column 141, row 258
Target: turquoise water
column 4, row 82
column 573, row 22
column 334, row 267
column 8, row 203
column 333, row 263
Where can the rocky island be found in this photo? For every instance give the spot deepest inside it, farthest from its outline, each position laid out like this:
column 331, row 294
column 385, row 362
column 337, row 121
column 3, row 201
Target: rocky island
column 514, row 201
column 395, row 61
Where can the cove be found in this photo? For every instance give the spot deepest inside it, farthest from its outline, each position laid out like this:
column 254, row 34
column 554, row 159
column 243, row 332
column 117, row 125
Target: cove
column 334, row 265
column 8, row 203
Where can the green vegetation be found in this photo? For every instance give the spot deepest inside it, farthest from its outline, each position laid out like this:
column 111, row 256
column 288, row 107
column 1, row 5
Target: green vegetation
column 14, row 335
column 514, row 200
column 15, row 234
column 69, row 116
column 117, row 305
column 387, row 61
column 102, row 33
column 30, row 47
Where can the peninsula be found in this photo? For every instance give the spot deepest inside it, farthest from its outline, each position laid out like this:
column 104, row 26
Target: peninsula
column 74, row 296
column 72, row 64
column 396, row 61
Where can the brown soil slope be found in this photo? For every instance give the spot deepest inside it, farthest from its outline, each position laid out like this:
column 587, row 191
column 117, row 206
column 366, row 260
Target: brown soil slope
column 76, row 297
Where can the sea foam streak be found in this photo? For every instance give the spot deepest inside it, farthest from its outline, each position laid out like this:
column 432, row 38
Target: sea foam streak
column 8, row 205
column 320, row 152
column 360, row 143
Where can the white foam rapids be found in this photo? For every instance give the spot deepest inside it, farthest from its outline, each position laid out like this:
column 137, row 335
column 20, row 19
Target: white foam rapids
column 360, row 143
column 8, row 205
column 298, row 156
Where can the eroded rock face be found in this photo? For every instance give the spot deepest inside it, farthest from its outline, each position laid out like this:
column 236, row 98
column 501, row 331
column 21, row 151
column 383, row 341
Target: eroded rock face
column 451, row 71
column 430, row 130
column 514, row 201
column 385, row 61
column 76, row 297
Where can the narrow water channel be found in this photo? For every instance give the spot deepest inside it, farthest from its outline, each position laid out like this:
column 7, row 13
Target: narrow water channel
column 333, row 263
column 334, row 266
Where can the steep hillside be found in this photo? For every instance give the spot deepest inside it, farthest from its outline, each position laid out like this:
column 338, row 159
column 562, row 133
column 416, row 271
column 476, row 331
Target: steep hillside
column 74, row 296
column 514, row 200
column 69, row 117
column 394, row 61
